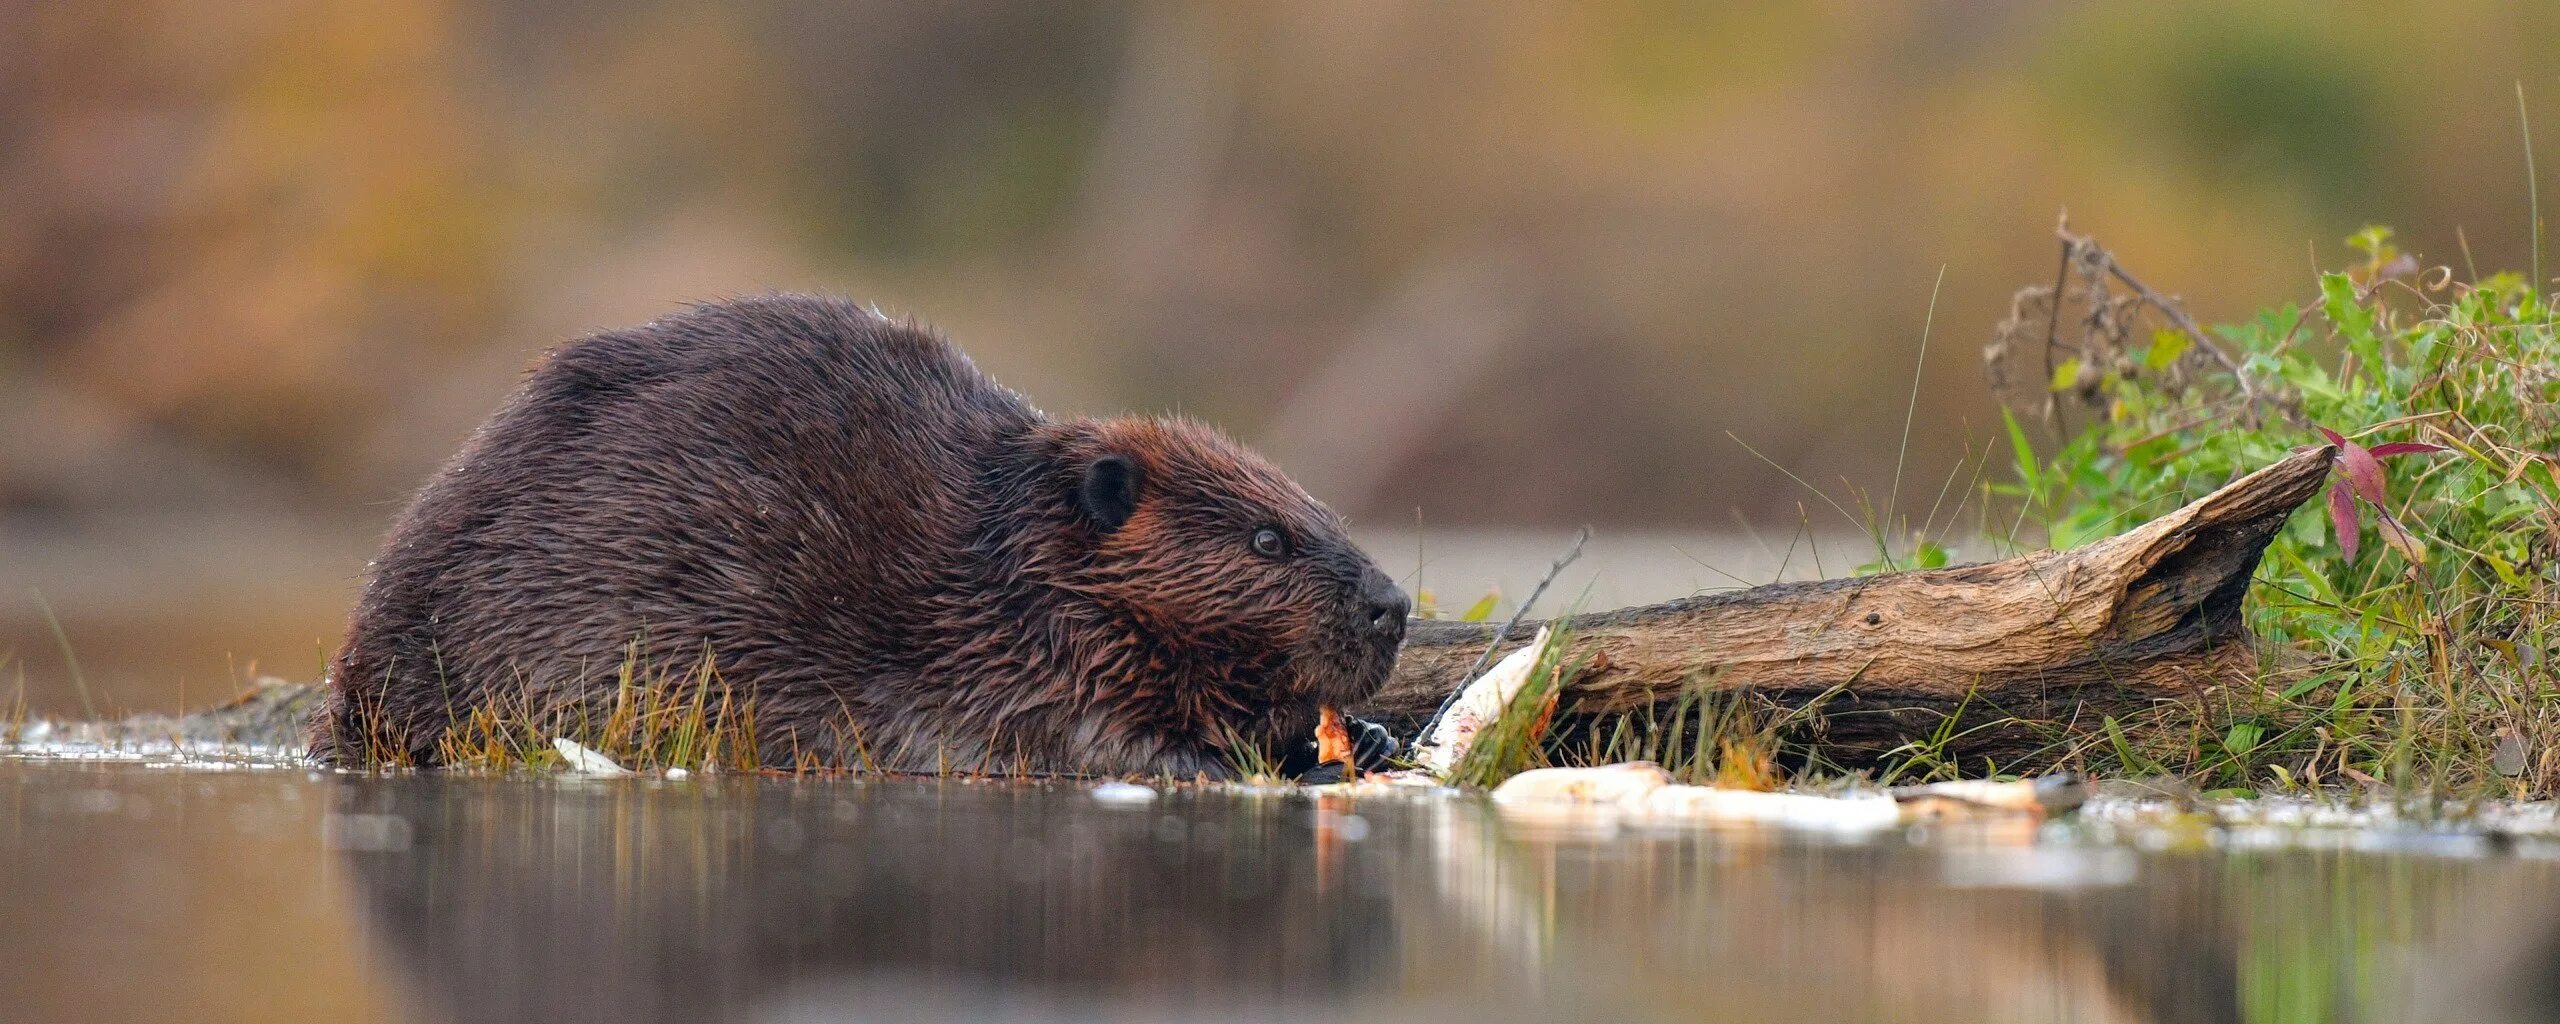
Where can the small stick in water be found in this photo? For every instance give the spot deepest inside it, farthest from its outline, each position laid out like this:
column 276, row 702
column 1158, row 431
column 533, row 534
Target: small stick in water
column 1503, row 632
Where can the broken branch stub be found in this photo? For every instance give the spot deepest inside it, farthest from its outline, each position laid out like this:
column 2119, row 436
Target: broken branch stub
column 2011, row 647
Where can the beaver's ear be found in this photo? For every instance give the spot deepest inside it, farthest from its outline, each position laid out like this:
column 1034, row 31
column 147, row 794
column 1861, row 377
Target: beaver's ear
column 1109, row 493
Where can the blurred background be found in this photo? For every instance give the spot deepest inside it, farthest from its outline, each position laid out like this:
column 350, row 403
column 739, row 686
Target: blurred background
column 1474, row 273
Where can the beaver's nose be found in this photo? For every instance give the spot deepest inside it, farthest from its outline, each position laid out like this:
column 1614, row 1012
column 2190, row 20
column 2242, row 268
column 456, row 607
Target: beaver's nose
column 1387, row 605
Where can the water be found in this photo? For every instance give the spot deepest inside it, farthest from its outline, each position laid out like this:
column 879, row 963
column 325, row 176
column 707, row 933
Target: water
column 217, row 891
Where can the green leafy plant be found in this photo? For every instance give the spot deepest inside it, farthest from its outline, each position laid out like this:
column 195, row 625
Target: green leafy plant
column 2425, row 670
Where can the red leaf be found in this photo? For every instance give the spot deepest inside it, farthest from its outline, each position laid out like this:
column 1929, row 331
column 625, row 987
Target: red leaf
column 2406, row 448
column 2332, row 435
column 2364, row 471
column 2342, row 516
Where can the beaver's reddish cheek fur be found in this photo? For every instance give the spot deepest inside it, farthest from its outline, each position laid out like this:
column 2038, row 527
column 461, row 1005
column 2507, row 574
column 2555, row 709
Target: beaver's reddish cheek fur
column 1186, row 571
column 1242, row 645
column 894, row 561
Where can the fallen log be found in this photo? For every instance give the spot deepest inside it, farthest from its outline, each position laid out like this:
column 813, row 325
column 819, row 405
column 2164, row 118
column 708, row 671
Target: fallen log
column 2011, row 648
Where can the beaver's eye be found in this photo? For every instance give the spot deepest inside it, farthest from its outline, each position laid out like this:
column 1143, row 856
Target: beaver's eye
column 1268, row 543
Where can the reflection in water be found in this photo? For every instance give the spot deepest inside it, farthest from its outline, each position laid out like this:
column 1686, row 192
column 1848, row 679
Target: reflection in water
column 641, row 902
column 297, row 895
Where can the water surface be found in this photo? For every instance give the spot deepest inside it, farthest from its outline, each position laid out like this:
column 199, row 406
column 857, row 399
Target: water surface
column 216, row 890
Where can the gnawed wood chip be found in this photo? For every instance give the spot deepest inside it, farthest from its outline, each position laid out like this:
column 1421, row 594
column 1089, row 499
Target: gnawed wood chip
column 1617, row 784
column 585, row 761
column 1479, row 703
column 1333, row 739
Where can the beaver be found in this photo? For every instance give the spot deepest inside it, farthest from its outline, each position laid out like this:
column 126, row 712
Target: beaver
column 880, row 556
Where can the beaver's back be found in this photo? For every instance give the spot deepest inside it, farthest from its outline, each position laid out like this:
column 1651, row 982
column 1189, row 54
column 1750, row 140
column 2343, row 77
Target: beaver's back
column 777, row 482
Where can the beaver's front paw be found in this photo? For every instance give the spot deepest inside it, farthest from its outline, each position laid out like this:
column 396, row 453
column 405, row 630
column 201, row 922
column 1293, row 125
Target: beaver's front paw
column 1372, row 746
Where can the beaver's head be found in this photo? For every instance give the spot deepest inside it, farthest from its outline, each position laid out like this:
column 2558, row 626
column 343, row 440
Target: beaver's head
column 1244, row 585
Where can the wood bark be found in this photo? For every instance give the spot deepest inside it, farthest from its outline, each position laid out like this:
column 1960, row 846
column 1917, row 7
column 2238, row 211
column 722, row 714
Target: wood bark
column 2015, row 650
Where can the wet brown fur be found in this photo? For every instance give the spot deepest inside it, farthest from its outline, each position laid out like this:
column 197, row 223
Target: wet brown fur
column 892, row 560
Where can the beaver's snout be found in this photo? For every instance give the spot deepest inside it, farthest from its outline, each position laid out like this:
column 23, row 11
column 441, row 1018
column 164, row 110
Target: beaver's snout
column 1384, row 608
column 1378, row 613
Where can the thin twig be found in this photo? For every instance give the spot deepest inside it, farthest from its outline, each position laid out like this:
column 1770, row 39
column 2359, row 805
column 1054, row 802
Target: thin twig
column 1503, row 632
column 2177, row 316
column 2053, row 316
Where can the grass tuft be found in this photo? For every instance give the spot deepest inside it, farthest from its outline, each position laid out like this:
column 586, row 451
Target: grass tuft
column 1251, row 761
column 688, row 718
column 1706, row 737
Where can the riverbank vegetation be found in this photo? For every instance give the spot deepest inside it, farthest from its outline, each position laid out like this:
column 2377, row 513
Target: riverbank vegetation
column 2407, row 632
